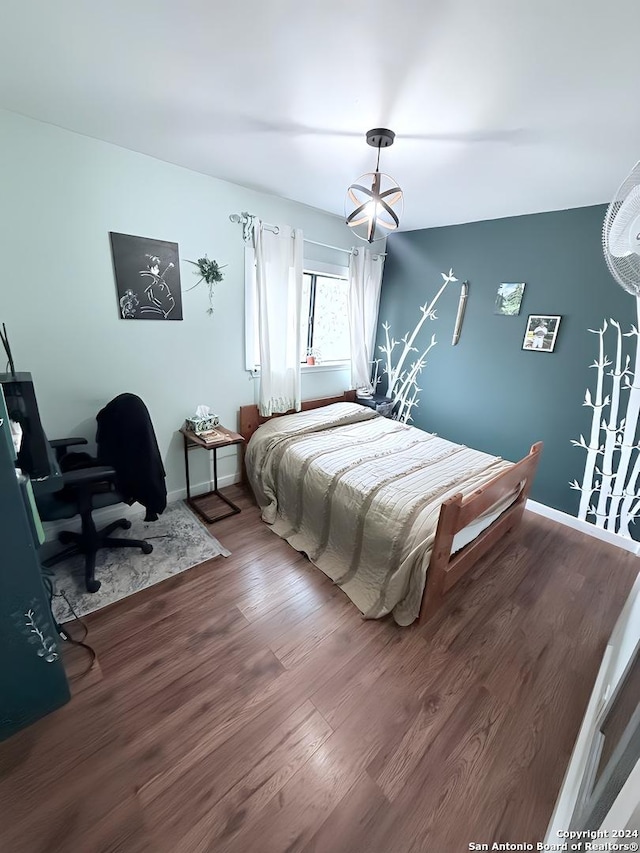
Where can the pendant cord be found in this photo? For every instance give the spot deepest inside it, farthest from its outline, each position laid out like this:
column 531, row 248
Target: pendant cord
column 378, row 160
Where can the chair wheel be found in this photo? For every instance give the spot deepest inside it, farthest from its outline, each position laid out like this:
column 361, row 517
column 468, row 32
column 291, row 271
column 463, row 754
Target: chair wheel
column 147, row 548
column 125, row 524
column 65, row 537
column 93, row 585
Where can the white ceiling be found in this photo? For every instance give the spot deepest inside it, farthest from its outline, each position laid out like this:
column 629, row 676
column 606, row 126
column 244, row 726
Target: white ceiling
column 500, row 107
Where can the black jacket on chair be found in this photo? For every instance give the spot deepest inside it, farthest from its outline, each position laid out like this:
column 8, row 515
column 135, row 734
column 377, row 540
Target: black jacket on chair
column 126, row 441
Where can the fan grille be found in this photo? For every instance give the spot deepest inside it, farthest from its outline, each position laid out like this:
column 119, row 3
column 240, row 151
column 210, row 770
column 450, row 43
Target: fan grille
column 626, row 270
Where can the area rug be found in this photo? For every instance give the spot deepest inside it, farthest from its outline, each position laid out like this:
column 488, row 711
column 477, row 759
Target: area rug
column 179, row 542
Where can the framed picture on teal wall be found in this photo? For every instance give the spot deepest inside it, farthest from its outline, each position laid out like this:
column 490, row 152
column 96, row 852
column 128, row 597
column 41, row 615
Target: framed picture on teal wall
column 509, row 298
column 541, row 333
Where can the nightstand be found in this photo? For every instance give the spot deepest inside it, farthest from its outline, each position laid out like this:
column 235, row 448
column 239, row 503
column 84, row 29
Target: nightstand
column 383, row 405
column 192, row 442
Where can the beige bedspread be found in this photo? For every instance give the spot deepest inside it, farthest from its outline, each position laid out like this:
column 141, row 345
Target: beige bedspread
column 360, row 495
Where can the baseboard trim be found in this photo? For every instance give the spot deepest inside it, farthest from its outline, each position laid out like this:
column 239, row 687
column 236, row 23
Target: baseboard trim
column 584, row 527
column 108, row 514
column 201, row 488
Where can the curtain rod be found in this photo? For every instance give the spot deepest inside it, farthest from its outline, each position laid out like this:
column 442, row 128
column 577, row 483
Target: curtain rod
column 246, row 219
column 276, row 230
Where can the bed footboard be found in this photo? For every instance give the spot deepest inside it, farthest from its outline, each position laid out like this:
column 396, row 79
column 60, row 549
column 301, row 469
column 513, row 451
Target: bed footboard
column 457, row 512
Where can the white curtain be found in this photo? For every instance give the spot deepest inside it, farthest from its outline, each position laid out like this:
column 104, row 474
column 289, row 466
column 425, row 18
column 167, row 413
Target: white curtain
column 279, row 265
column 365, row 281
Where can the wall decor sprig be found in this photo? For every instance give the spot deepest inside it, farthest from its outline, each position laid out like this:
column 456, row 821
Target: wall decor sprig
column 34, row 624
column 211, row 273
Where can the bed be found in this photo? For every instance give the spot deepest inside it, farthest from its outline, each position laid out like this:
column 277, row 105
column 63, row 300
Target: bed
column 394, row 515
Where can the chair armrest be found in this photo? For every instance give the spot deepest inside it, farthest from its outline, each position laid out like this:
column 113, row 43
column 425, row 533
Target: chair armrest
column 66, row 442
column 87, row 476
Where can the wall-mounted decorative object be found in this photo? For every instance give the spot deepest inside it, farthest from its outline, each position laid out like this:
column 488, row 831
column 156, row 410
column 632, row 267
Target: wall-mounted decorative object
column 210, row 272
column 373, row 206
column 509, row 298
column 147, row 278
column 462, row 304
column 610, row 490
column 541, row 333
column 402, row 386
column 36, row 626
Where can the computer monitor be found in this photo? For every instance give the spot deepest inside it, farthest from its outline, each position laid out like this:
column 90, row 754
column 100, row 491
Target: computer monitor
column 34, row 456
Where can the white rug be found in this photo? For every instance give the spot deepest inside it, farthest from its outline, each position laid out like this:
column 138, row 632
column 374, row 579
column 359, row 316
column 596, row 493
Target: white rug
column 179, row 542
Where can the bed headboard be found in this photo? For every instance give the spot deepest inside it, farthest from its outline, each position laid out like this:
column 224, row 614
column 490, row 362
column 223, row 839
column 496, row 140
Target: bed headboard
column 250, row 418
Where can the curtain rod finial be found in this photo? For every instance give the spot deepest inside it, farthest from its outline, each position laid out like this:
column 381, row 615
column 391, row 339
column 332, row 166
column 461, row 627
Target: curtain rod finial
column 246, row 220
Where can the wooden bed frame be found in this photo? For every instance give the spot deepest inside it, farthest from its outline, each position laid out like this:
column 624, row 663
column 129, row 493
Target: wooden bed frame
column 251, row 419
column 445, row 569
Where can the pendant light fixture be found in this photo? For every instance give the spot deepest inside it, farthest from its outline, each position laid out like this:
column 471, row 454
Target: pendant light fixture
column 374, row 202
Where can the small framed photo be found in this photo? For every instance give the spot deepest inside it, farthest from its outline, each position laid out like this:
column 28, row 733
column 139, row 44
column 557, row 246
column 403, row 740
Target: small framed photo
column 509, row 298
column 542, row 331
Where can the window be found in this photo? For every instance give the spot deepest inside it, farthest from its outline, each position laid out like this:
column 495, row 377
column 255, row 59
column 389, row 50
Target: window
column 324, row 326
column 324, row 322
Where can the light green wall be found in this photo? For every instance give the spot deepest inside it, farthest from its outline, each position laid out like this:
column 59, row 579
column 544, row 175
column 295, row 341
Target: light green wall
column 61, row 194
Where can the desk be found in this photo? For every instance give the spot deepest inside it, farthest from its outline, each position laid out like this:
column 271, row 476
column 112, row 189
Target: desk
column 191, row 442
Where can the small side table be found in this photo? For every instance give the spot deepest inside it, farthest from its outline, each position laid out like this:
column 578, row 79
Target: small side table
column 193, row 441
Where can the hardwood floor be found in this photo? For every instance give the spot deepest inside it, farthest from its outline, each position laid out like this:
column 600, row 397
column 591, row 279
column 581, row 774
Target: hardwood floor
column 244, row 705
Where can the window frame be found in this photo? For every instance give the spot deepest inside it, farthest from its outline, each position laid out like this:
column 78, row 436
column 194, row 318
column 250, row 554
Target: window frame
column 310, row 267
column 312, row 309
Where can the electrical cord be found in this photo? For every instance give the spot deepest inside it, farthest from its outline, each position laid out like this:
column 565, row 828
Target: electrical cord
column 48, row 581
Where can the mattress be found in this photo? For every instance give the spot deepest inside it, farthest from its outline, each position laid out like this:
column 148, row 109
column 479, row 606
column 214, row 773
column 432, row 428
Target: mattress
column 466, row 536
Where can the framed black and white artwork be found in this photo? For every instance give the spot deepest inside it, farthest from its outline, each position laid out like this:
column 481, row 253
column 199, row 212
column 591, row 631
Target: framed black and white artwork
column 541, row 332
column 147, row 278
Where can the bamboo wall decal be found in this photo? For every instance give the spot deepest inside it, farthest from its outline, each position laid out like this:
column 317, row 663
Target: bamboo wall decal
column 402, row 386
column 630, row 505
column 612, row 466
column 593, row 447
column 628, row 445
column 611, row 431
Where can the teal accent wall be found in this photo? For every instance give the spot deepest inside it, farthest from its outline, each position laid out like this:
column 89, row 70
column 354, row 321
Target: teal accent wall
column 487, row 392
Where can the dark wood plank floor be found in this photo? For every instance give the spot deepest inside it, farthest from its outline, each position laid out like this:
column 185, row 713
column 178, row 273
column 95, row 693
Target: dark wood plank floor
column 244, row 705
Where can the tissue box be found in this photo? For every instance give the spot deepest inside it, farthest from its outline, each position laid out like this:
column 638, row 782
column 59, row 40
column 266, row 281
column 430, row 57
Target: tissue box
column 199, row 425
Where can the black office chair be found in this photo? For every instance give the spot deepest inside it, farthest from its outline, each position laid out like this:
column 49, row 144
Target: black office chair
column 88, row 485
